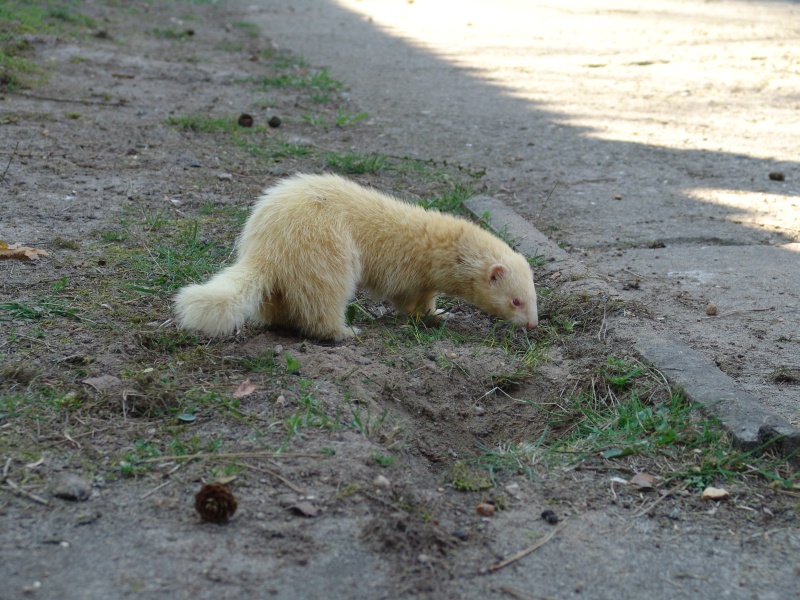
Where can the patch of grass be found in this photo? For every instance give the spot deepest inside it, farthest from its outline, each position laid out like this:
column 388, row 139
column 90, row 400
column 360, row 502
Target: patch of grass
column 353, row 163
column 307, row 79
column 62, row 12
column 31, row 16
column 564, row 314
column 467, row 478
column 167, row 340
column 344, row 118
column 251, row 30
column 113, row 235
column 133, row 463
column 383, row 460
column 510, row 458
column 42, row 309
column 314, row 120
column 181, row 256
column 450, row 200
column 228, row 46
column 15, row 71
column 537, row 260
column 381, row 426
column 263, row 363
column 625, row 409
column 273, row 149
column 21, row 18
column 311, row 413
column 169, row 33
column 236, row 215
column 200, row 123
column 528, row 356
column 281, row 59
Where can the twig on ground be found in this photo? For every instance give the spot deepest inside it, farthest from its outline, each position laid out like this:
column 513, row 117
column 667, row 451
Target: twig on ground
column 8, row 165
column 5, row 469
column 736, row 312
column 282, row 479
column 522, row 595
column 233, row 455
column 155, row 489
column 525, row 552
column 652, row 505
column 72, row 438
column 26, row 493
column 546, row 201
column 71, row 100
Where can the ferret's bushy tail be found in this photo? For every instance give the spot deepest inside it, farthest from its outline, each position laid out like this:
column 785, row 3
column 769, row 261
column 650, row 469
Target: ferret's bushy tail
column 221, row 305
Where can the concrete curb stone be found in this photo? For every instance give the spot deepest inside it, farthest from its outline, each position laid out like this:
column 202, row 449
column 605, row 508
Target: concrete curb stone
column 750, row 424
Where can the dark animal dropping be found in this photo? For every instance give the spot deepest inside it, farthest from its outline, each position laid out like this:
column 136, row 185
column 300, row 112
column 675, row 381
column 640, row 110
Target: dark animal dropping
column 550, row 517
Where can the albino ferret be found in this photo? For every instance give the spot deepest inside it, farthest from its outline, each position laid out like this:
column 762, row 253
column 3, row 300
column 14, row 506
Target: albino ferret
column 313, row 239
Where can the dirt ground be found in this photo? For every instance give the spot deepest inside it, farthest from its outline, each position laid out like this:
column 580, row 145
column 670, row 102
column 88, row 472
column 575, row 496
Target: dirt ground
column 361, row 470
column 640, row 138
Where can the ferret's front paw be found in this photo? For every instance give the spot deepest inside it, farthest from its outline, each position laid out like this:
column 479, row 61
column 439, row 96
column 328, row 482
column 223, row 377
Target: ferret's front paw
column 345, row 333
column 440, row 315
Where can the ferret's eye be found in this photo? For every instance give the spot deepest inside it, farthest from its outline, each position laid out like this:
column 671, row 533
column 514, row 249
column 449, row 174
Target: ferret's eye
column 516, row 302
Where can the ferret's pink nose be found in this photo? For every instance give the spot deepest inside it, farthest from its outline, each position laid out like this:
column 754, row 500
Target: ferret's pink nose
column 531, row 325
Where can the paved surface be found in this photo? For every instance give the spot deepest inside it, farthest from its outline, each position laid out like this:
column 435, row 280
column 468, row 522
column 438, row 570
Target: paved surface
column 639, row 137
column 751, row 424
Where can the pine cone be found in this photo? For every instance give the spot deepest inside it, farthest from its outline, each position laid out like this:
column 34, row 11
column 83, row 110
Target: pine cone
column 214, row 502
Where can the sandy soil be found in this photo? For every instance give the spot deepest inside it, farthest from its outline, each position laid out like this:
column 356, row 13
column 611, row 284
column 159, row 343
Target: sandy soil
column 359, row 468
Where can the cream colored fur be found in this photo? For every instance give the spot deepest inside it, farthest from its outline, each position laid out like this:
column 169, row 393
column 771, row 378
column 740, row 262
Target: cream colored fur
column 313, row 239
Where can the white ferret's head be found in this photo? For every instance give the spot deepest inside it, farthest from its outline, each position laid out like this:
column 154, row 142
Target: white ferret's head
column 506, row 290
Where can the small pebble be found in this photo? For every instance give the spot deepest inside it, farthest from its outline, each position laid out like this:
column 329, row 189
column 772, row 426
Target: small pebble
column 224, row 176
column 277, row 350
column 777, row 176
column 71, row 487
column 300, row 141
column 485, row 509
column 382, row 481
column 274, row 122
column 712, row 493
column 711, row 309
column 245, row 120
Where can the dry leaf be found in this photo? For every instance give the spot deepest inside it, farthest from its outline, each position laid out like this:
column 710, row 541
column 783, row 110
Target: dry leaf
column 712, row 493
column 245, row 388
column 20, row 252
column 305, row 509
column 643, row 481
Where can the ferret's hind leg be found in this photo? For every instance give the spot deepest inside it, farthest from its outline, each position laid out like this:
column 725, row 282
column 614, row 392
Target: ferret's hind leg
column 321, row 315
column 316, row 305
column 273, row 310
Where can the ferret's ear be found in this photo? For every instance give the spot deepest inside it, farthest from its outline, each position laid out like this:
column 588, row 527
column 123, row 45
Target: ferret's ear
column 497, row 272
